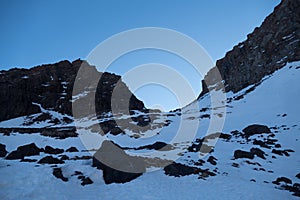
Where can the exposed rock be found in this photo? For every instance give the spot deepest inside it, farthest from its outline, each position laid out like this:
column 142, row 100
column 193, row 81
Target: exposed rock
column 72, row 149
column 51, row 86
column 22, row 151
column 178, row 169
column 86, row 181
column 50, row 160
column 57, row 172
column 282, row 179
column 256, row 129
column 267, row 49
column 243, row 154
column 161, row 146
column 3, row 151
column 260, row 153
column 298, row 175
column 117, row 166
column 212, row 160
column 51, row 150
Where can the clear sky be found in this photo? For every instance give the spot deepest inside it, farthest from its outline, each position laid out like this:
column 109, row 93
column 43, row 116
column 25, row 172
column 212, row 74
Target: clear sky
column 37, row 32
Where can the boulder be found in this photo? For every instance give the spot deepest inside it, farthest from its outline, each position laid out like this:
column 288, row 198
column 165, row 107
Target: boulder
column 256, row 129
column 51, row 150
column 57, row 172
column 72, row 149
column 178, row 169
column 22, row 151
column 50, row 160
column 117, row 166
column 243, row 154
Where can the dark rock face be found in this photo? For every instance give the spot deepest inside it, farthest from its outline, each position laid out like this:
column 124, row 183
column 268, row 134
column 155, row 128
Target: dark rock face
column 243, row 154
column 177, row 170
column 110, row 157
column 50, row 160
column 22, row 151
column 51, row 86
column 256, row 129
column 3, row 151
column 51, row 150
column 267, row 49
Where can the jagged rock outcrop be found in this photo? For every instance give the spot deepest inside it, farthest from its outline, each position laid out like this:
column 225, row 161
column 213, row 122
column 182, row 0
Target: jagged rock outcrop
column 267, row 49
column 51, row 86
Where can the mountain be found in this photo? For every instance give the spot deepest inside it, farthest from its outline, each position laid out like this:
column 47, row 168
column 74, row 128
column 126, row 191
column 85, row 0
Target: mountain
column 26, row 91
column 267, row 49
column 147, row 154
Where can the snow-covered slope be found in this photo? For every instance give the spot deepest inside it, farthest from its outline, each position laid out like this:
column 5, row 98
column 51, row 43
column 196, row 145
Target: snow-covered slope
column 274, row 103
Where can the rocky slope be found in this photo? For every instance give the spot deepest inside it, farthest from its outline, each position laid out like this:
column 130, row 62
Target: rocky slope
column 26, row 91
column 267, row 49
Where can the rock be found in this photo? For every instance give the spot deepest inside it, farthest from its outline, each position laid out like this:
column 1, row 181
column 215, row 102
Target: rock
column 57, row 172
column 178, row 169
column 243, row 154
column 255, row 129
column 260, row 153
column 22, row 151
column 64, row 157
column 267, row 49
column 51, row 86
column 86, row 181
column 3, row 151
column 261, row 143
column 72, row 149
column 282, row 179
column 212, row 160
column 161, row 146
column 50, row 160
column 51, row 150
column 117, row 166
column 298, row 175
column 280, row 152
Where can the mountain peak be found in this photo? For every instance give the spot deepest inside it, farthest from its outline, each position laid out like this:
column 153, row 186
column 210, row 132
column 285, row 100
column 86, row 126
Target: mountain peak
column 267, row 49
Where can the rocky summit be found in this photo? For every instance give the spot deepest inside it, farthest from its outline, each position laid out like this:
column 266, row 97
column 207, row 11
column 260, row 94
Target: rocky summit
column 267, row 49
column 26, row 91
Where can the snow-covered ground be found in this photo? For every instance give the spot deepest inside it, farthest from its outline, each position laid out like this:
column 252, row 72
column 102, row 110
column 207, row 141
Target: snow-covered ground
column 275, row 103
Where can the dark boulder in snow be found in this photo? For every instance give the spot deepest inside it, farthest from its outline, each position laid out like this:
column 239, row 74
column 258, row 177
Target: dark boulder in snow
column 51, row 150
column 212, row 160
column 256, row 129
column 117, row 166
column 282, row 179
column 260, row 153
column 3, row 151
column 50, row 160
column 243, row 154
column 72, row 149
column 22, row 151
column 57, row 172
column 178, row 169
column 298, row 175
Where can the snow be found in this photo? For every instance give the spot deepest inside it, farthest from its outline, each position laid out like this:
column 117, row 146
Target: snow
column 277, row 95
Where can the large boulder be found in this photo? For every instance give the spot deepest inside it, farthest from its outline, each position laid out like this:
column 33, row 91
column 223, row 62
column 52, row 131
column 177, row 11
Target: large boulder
column 243, row 154
column 256, row 129
column 22, row 151
column 117, row 166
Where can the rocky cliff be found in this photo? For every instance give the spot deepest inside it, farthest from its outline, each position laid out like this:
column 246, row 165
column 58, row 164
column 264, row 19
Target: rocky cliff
column 267, row 49
column 25, row 91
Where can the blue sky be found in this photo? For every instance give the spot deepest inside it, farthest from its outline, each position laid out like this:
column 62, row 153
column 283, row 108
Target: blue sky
column 38, row 32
